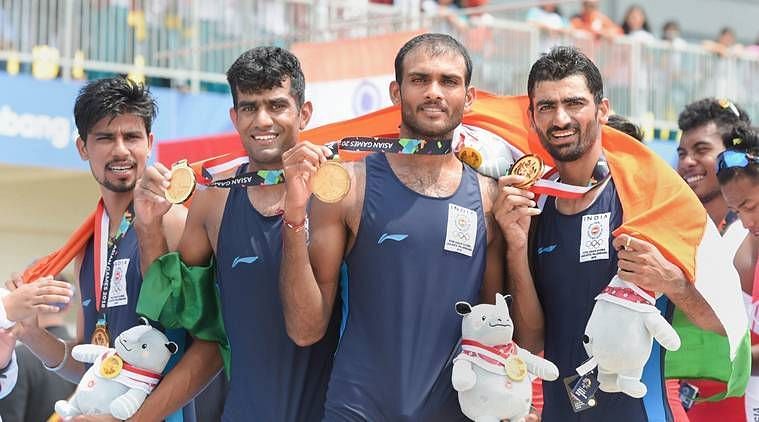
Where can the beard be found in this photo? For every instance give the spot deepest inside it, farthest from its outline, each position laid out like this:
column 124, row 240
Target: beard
column 417, row 130
column 118, row 187
column 586, row 137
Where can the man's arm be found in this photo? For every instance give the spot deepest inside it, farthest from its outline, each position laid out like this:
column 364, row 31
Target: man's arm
column 493, row 280
column 53, row 352
column 309, row 274
column 193, row 373
column 513, row 210
column 158, row 223
column 641, row 263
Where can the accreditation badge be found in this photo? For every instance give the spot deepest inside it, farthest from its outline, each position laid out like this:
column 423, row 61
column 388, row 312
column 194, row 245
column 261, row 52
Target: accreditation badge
column 594, row 237
column 461, row 230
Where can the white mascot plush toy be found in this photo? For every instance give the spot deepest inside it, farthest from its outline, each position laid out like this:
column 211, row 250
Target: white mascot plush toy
column 491, row 372
column 619, row 335
column 119, row 379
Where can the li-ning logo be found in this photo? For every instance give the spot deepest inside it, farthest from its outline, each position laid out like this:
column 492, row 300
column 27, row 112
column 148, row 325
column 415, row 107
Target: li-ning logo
column 547, row 249
column 244, row 260
column 396, row 237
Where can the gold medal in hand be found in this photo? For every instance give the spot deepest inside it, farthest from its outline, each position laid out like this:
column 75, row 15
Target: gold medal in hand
column 331, row 182
column 181, row 184
column 530, row 167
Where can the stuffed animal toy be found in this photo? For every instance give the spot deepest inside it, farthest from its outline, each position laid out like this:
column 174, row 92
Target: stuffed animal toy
column 491, row 372
column 619, row 335
column 119, row 379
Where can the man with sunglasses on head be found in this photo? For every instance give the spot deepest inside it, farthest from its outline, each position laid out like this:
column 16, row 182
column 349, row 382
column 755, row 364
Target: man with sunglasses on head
column 737, row 170
column 704, row 123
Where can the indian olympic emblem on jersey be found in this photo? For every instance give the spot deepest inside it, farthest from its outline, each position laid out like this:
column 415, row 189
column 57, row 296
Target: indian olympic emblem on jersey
column 461, row 231
column 117, row 296
column 594, row 238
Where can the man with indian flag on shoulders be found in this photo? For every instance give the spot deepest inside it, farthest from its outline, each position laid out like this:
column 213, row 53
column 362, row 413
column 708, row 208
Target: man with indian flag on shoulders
column 633, row 218
column 114, row 118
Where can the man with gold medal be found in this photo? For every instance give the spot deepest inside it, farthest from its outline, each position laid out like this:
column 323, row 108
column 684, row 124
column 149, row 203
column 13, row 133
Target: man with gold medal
column 114, row 118
column 232, row 242
column 416, row 233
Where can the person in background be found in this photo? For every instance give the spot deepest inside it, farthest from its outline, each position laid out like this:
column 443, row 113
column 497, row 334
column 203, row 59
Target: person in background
column 37, row 389
column 591, row 20
column 635, row 24
column 738, row 175
column 704, row 124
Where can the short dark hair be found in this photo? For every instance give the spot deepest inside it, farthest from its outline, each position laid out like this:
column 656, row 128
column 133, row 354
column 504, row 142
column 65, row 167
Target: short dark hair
column 623, row 125
column 562, row 62
column 263, row 68
column 112, row 97
column 434, row 44
column 743, row 138
column 724, row 113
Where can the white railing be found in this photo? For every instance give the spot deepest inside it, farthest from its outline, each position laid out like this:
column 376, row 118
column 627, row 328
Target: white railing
column 191, row 42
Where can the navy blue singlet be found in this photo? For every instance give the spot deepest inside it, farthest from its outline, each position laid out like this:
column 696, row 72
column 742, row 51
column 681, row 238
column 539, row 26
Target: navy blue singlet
column 394, row 358
column 272, row 379
column 567, row 291
column 120, row 318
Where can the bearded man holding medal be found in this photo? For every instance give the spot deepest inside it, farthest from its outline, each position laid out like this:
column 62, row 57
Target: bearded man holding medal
column 237, row 224
column 114, row 118
column 416, row 233
column 554, row 284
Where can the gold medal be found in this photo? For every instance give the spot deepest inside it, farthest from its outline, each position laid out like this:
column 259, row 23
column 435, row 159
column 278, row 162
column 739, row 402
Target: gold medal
column 331, row 182
column 100, row 336
column 470, row 156
column 111, row 367
column 530, row 167
column 516, row 369
column 181, row 184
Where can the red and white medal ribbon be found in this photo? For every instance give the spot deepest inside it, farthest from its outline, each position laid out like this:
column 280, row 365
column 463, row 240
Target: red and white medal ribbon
column 492, row 355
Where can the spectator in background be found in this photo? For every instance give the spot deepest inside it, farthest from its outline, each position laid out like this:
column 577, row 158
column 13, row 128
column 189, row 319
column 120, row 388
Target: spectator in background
column 37, row 389
column 754, row 48
column 635, row 24
column 445, row 15
column 547, row 16
column 670, row 32
column 590, row 19
column 623, row 125
column 725, row 44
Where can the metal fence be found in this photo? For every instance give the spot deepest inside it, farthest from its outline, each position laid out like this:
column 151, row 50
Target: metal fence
column 190, row 43
column 647, row 82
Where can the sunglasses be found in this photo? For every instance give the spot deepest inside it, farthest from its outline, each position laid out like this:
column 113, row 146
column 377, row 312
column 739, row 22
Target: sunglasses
column 731, row 158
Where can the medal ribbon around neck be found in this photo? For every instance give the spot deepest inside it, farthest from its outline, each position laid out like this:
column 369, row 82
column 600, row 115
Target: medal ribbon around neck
column 103, row 260
column 216, row 166
column 219, row 165
column 550, row 185
column 390, row 145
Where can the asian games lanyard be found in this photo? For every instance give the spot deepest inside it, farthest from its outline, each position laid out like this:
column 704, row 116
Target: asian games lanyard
column 213, row 167
column 549, row 184
column 106, row 250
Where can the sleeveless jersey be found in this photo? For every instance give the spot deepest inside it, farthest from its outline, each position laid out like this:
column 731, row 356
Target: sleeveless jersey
column 401, row 330
column 126, row 280
column 567, row 289
column 272, row 379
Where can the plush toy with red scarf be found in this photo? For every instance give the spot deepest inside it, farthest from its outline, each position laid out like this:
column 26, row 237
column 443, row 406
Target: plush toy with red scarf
column 492, row 374
column 120, row 378
column 621, row 354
